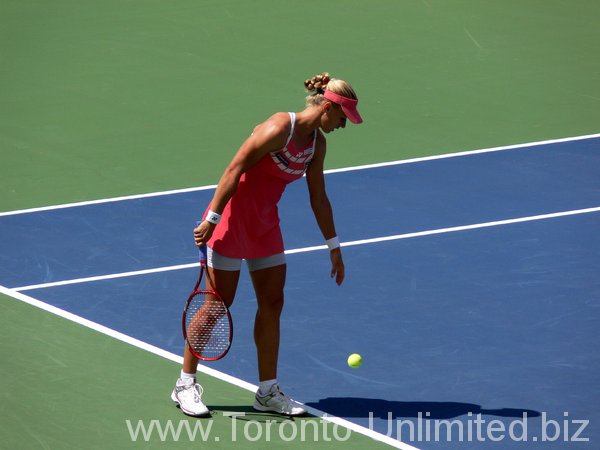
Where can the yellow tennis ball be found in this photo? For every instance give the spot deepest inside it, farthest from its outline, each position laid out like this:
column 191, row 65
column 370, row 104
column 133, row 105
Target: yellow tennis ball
column 355, row 360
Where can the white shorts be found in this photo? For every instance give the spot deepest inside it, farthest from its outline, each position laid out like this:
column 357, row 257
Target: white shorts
column 220, row 262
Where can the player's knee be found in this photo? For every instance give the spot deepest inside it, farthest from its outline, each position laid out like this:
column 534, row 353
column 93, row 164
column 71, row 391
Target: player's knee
column 272, row 305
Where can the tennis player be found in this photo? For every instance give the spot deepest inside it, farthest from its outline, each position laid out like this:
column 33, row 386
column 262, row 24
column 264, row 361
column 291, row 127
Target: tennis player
column 242, row 223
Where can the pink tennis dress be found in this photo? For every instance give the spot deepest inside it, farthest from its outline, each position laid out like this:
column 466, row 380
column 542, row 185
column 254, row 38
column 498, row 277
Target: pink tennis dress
column 249, row 227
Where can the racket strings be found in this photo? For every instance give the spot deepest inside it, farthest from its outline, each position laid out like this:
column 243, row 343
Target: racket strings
column 207, row 325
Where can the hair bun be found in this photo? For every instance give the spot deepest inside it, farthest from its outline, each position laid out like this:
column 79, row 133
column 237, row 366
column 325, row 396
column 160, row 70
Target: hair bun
column 318, row 83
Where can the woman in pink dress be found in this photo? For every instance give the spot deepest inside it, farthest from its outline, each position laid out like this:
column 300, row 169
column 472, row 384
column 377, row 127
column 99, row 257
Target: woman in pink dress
column 242, row 223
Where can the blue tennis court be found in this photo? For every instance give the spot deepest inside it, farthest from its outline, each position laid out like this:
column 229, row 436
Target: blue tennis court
column 472, row 291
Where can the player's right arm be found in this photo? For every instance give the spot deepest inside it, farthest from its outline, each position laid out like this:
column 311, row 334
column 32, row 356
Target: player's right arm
column 269, row 136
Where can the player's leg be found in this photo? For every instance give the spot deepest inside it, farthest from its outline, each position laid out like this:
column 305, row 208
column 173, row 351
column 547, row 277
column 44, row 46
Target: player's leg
column 225, row 274
column 268, row 284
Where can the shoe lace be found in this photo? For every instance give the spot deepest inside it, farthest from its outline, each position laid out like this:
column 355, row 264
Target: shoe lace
column 198, row 391
column 277, row 393
column 193, row 390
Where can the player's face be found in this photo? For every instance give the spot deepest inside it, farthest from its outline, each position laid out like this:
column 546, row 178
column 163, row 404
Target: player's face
column 333, row 118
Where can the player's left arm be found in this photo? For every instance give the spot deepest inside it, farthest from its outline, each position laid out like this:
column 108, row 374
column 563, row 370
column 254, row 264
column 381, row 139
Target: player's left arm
column 321, row 206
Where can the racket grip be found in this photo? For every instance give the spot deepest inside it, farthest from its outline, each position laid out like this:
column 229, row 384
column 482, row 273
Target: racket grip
column 202, row 248
column 203, row 256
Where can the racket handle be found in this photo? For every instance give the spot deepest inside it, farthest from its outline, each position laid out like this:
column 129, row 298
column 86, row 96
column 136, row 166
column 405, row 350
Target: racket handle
column 202, row 248
column 203, row 256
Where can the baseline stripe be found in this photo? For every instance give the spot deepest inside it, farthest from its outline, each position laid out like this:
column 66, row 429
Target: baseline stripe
column 343, row 169
column 201, row 368
column 465, row 153
column 107, row 277
column 107, row 200
column 324, row 247
column 477, row 226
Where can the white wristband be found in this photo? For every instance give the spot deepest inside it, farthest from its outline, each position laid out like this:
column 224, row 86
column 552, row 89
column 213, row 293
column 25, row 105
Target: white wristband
column 213, row 217
column 333, row 243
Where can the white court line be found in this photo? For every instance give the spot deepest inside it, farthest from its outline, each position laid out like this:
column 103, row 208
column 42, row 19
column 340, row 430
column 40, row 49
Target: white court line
column 201, row 368
column 323, row 247
column 466, row 153
column 344, row 169
column 107, row 277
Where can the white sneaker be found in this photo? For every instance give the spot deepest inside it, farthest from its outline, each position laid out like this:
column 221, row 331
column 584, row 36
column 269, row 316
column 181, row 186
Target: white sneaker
column 188, row 395
column 277, row 401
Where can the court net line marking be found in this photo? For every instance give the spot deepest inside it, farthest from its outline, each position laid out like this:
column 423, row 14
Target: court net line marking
column 324, row 247
column 201, row 368
column 329, row 171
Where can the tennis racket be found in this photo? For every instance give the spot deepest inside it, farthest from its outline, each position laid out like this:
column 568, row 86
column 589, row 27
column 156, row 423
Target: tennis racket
column 207, row 325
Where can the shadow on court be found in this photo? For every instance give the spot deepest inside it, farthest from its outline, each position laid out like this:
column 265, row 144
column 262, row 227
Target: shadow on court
column 249, row 414
column 362, row 407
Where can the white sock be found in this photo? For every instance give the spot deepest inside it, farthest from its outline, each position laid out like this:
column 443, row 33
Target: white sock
column 187, row 376
column 265, row 386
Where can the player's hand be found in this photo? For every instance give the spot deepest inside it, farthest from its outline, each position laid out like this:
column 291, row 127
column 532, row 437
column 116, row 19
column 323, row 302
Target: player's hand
column 203, row 233
column 337, row 265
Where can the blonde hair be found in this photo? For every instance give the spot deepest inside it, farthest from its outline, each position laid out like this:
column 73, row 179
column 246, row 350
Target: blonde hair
column 316, row 87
